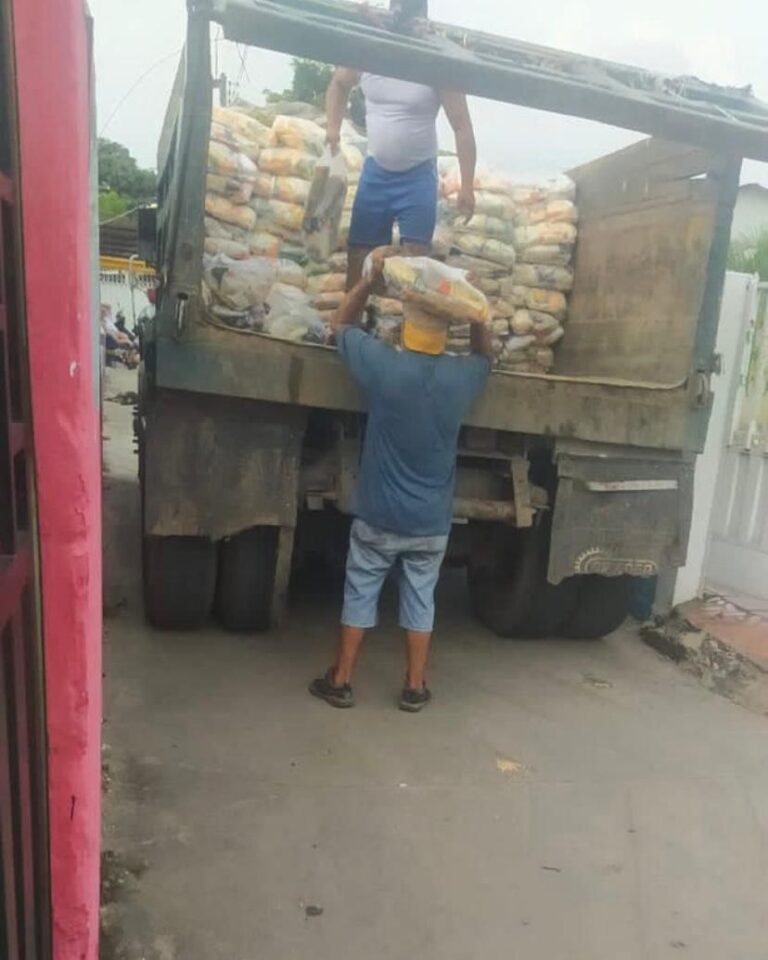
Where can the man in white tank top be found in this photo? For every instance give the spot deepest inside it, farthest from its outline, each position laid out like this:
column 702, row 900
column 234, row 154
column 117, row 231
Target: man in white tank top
column 399, row 180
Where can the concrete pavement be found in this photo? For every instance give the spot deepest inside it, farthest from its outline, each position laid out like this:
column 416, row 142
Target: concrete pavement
column 558, row 801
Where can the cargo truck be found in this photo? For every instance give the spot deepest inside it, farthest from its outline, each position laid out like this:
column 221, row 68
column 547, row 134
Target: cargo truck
column 569, row 484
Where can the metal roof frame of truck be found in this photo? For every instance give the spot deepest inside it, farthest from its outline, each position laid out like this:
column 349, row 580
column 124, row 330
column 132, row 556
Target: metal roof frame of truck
column 681, row 108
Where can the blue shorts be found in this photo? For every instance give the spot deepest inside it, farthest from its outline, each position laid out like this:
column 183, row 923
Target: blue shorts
column 372, row 554
column 384, row 196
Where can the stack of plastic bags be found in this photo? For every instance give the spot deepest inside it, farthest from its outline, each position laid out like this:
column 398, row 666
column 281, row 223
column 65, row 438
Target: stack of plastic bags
column 518, row 247
column 266, row 268
column 274, row 193
column 261, row 295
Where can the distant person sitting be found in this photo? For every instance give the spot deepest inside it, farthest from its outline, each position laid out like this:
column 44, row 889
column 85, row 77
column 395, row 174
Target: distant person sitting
column 121, row 326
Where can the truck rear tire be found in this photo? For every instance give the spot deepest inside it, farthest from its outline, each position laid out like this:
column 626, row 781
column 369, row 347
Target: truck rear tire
column 179, row 581
column 602, row 607
column 246, row 580
column 514, row 599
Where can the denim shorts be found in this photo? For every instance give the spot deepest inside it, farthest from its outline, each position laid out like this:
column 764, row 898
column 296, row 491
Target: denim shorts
column 372, row 554
column 385, row 196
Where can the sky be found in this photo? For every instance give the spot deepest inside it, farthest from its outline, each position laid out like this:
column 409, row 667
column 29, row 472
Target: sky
column 138, row 46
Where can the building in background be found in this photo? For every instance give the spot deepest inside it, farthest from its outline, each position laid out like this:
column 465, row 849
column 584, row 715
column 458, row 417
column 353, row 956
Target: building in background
column 751, row 213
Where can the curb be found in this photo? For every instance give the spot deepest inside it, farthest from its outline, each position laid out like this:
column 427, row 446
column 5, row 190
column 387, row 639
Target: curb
column 718, row 667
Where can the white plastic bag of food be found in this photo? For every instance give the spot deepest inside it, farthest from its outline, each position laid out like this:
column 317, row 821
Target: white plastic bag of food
column 327, row 283
column 518, row 345
column 233, row 188
column 477, row 267
column 328, row 301
column 265, row 244
column 443, row 291
column 290, row 313
column 486, row 248
column 291, row 190
column 539, row 324
column 533, row 298
column 325, row 205
column 235, row 213
column 298, row 134
column 279, row 213
column 551, row 254
column 546, row 234
column 495, row 205
column 223, row 160
column 551, row 211
column 239, row 284
column 486, row 226
column 234, row 140
column 544, row 357
column 230, row 248
column 489, row 285
column 286, row 162
column 241, row 124
column 291, row 273
column 542, row 275
column 224, row 231
column 264, row 185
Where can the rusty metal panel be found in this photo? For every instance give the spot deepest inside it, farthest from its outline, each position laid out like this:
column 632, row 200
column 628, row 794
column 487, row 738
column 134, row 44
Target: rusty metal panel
column 261, row 368
column 645, row 234
column 620, row 516
column 216, row 465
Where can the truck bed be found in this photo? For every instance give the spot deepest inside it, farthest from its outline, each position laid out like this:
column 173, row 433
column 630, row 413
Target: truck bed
column 208, row 359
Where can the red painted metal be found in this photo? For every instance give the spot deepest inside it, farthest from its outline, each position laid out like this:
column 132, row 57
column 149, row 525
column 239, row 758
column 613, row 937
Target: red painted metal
column 24, row 875
column 53, row 71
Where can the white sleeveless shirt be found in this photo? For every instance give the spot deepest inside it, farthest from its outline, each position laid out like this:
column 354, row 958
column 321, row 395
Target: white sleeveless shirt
column 401, row 118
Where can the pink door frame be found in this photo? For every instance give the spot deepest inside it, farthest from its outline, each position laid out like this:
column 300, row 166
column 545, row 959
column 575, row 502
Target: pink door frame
column 53, row 74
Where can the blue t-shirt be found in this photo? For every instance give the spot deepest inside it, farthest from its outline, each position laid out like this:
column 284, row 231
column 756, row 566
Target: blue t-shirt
column 416, row 404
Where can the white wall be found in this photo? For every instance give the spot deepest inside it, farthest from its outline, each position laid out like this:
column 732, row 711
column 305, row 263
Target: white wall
column 116, row 290
column 738, row 305
column 751, row 213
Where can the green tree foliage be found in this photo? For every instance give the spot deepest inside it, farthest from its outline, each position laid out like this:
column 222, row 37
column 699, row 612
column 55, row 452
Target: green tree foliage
column 749, row 254
column 310, row 81
column 122, row 183
column 113, row 204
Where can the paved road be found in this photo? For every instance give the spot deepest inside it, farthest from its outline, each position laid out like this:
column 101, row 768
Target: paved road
column 559, row 801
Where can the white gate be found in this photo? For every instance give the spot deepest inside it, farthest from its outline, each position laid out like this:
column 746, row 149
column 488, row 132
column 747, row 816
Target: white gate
column 737, row 557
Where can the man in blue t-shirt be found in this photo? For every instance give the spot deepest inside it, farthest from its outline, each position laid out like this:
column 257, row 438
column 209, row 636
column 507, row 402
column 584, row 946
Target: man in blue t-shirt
column 417, row 399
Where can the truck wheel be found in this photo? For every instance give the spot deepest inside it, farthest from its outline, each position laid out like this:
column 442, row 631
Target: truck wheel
column 179, row 581
column 602, row 607
column 514, row 599
column 246, row 580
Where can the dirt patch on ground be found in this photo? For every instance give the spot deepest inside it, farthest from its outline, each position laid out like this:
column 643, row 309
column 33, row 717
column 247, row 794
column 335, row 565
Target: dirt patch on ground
column 718, row 667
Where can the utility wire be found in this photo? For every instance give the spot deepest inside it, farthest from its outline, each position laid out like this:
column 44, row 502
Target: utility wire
column 135, row 84
column 125, row 213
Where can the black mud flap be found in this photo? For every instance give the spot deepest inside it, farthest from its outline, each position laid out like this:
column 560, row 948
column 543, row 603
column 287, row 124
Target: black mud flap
column 619, row 514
